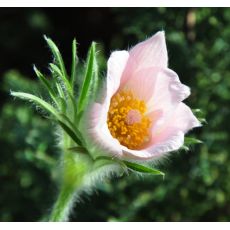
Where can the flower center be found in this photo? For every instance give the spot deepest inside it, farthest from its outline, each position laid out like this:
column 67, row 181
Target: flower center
column 127, row 121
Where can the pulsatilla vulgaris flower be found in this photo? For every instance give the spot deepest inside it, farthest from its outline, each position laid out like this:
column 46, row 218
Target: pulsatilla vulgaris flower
column 142, row 115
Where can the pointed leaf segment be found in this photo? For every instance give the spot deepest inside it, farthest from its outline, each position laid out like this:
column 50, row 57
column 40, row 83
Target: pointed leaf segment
column 90, row 82
column 142, row 168
column 131, row 165
column 64, row 108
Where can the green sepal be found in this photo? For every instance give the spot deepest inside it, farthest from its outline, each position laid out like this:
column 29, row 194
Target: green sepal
column 142, row 169
column 202, row 120
column 90, row 82
column 70, row 132
column 38, row 101
column 50, row 109
column 200, row 116
column 74, row 62
column 73, row 127
column 192, row 141
column 57, row 55
column 78, row 149
column 46, row 83
column 104, row 160
column 189, row 141
column 57, row 71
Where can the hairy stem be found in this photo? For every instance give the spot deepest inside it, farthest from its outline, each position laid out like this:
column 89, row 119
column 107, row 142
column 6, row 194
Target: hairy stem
column 63, row 205
column 75, row 168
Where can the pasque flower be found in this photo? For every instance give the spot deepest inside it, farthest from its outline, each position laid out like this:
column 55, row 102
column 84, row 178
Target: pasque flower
column 141, row 115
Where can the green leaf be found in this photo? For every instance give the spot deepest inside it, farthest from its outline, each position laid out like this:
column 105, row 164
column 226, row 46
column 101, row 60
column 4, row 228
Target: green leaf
column 185, row 148
column 202, row 120
column 46, row 83
column 89, row 80
column 58, row 58
column 197, row 111
column 78, row 149
column 102, row 161
column 49, row 108
column 60, row 91
column 142, row 169
column 55, row 70
column 191, row 141
column 74, row 107
column 63, row 104
column 38, row 101
column 188, row 141
column 70, row 132
column 73, row 127
column 200, row 116
column 57, row 55
column 74, row 63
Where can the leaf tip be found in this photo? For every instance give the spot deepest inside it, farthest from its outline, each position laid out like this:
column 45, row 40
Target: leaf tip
column 35, row 68
column 45, row 37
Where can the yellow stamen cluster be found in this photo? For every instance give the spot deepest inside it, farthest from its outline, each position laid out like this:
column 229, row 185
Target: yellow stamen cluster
column 127, row 121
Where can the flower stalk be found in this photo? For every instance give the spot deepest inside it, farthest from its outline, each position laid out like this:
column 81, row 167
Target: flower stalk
column 74, row 169
column 63, row 205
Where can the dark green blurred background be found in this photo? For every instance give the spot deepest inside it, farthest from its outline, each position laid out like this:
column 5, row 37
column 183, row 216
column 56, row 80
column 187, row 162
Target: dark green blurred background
column 197, row 183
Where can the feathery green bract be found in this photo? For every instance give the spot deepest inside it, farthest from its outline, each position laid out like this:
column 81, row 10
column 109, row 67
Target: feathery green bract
column 46, row 83
column 38, row 101
column 200, row 115
column 62, row 79
column 74, row 62
column 57, row 55
column 61, row 120
column 131, row 165
column 70, row 132
column 90, row 80
column 60, row 68
column 189, row 141
column 65, row 111
column 71, row 124
column 142, row 169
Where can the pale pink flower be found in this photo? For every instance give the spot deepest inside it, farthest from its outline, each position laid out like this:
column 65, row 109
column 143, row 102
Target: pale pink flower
column 142, row 115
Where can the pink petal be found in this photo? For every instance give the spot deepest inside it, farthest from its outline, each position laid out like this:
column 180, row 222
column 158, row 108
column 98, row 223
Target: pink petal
column 156, row 151
column 97, row 120
column 115, row 67
column 160, row 88
column 142, row 83
column 149, row 53
column 99, row 132
column 170, row 138
column 183, row 119
column 169, row 91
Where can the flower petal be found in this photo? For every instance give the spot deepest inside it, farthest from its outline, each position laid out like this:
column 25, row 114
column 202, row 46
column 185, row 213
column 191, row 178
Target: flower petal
column 116, row 65
column 97, row 120
column 183, row 119
column 174, row 142
column 99, row 132
column 160, row 88
column 170, row 138
column 168, row 90
column 151, row 52
column 142, row 83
